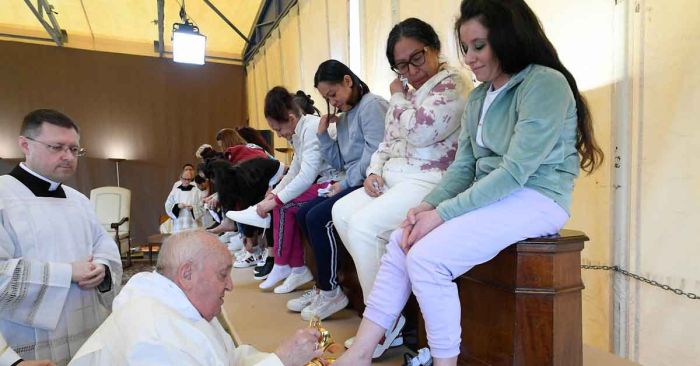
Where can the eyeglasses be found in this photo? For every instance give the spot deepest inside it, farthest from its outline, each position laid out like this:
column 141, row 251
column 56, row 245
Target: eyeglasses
column 417, row 59
column 57, row 149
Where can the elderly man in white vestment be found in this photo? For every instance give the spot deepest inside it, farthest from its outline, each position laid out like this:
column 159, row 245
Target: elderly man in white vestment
column 168, row 317
column 59, row 269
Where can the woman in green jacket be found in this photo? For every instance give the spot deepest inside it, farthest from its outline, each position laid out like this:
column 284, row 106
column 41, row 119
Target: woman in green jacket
column 525, row 134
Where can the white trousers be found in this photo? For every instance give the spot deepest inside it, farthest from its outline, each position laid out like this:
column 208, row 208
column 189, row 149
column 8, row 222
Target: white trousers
column 360, row 218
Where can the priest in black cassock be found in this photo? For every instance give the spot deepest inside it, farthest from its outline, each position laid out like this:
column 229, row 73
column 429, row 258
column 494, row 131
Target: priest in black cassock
column 59, row 269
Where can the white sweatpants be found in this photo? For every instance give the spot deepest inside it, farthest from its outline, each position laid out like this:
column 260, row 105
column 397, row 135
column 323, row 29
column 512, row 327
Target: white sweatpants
column 359, row 218
column 447, row 252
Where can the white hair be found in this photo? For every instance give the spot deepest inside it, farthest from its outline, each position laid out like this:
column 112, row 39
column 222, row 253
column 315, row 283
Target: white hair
column 186, row 246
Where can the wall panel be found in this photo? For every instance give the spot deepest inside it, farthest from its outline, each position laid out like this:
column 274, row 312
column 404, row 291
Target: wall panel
column 667, row 176
column 153, row 112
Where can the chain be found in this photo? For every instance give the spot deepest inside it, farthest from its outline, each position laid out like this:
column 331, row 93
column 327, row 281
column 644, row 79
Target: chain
column 637, row 277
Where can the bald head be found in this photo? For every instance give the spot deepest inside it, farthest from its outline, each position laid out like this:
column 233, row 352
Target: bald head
column 200, row 265
column 188, row 246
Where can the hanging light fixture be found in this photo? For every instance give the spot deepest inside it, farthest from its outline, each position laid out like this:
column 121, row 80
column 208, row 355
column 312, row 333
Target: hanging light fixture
column 188, row 44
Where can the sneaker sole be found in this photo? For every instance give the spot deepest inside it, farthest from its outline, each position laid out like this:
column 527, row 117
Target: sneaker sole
column 243, row 220
column 243, row 264
column 379, row 351
column 294, row 308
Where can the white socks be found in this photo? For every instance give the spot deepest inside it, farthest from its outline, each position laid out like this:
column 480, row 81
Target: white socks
column 298, row 270
column 330, row 294
column 278, row 273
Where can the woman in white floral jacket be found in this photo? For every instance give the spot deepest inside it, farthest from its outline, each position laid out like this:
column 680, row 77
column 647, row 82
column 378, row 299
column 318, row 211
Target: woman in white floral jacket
column 420, row 142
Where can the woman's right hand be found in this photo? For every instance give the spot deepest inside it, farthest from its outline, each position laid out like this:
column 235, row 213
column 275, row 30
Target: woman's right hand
column 411, row 216
column 212, row 201
column 374, row 185
column 396, row 86
column 326, row 120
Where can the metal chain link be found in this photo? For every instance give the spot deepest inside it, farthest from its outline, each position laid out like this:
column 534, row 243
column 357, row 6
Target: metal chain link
column 637, row 277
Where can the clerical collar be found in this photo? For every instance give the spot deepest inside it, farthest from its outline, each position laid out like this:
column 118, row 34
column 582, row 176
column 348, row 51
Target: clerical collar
column 186, row 189
column 40, row 186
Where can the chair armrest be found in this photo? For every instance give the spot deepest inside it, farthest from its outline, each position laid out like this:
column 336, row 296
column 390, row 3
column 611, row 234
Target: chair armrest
column 116, row 225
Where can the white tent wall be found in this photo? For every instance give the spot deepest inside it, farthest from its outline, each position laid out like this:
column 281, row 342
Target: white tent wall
column 666, row 183
column 656, row 47
column 581, row 32
column 290, row 56
column 252, row 99
column 315, row 43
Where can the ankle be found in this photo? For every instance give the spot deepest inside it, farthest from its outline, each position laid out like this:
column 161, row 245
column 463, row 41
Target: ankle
column 297, row 270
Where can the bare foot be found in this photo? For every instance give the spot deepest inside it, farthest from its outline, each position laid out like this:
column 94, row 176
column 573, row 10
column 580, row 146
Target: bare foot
column 250, row 243
column 351, row 359
column 226, row 225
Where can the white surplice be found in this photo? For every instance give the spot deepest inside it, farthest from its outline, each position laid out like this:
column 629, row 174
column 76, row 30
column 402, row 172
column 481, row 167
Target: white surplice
column 8, row 356
column 42, row 314
column 153, row 323
column 186, row 219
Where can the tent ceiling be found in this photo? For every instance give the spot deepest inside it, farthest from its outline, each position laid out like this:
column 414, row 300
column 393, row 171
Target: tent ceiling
column 130, row 26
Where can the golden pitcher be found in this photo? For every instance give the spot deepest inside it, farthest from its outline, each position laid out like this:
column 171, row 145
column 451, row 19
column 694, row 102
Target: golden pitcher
column 325, row 342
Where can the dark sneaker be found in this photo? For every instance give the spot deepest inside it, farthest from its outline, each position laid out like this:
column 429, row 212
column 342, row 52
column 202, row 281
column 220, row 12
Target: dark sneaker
column 261, row 272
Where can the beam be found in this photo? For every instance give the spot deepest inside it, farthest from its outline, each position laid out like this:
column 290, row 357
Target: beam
column 54, row 30
column 277, row 14
column 222, row 16
column 28, row 38
column 161, row 20
column 212, row 58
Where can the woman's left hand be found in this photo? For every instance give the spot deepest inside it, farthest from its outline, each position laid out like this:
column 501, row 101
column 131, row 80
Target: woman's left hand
column 266, row 206
column 426, row 221
column 335, row 189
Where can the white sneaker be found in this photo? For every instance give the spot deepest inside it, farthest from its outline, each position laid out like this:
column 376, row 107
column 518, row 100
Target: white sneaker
column 278, row 273
column 325, row 305
column 235, row 243
column 226, row 236
column 423, row 358
column 249, row 216
column 293, row 281
column 240, row 253
column 248, row 260
column 263, row 258
column 302, row 301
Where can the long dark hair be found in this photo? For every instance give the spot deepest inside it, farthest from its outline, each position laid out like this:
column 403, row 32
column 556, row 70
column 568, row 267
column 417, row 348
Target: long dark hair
column 411, row 28
column 334, row 71
column 518, row 40
column 279, row 103
column 241, row 185
column 253, row 136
